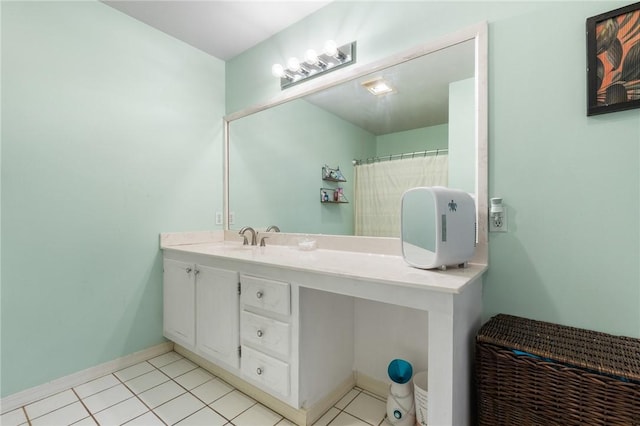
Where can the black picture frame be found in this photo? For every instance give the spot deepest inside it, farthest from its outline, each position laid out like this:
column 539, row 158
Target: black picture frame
column 613, row 60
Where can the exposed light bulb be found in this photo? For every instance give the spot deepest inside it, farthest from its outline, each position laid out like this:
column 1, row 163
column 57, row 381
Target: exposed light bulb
column 311, row 57
column 277, row 70
column 293, row 64
column 330, row 48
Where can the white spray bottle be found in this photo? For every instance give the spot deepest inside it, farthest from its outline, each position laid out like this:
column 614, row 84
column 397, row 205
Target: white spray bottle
column 401, row 410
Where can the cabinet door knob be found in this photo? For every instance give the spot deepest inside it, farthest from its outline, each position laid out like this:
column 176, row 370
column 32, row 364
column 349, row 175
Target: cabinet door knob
column 197, row 271
column 259, row 371
column 259, row 333
column 189, row 269
column 259, row 294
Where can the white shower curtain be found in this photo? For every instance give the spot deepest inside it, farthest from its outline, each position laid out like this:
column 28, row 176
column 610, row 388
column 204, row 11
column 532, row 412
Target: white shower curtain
column 379, row 188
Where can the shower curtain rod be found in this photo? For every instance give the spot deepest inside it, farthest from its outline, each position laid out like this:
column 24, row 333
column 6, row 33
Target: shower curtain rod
column 400, row 156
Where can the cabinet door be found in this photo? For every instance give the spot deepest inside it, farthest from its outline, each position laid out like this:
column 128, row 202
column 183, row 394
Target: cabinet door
column 218, row 323
column 179, row 302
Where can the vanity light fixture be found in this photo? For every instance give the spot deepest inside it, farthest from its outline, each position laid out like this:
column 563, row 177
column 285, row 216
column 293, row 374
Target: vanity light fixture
column 332, row 58
column 378, row 86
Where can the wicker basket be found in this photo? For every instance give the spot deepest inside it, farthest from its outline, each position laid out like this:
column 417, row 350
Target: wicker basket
column 535, row 373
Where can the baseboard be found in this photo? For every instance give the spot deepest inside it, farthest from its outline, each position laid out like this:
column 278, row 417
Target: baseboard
column 372, row 385
column 36, row 393
column 317, row 410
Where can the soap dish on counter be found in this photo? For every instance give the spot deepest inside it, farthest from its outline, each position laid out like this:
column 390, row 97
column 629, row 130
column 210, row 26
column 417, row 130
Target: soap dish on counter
column 307, row 244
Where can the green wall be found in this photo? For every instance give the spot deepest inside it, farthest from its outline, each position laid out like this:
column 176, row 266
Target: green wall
column 111, row 134
column 571, row 183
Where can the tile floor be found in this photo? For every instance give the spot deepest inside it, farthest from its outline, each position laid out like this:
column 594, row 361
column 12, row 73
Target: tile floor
column 170, row 389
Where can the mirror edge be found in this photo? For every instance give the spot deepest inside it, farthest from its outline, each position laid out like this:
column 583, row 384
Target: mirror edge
column 477, row 32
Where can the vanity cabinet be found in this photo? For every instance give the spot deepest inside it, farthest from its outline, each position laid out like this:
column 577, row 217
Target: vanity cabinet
column 201, row 310
column 217, row 319
column 308, row 333
column 179, row 302
column 265, row 333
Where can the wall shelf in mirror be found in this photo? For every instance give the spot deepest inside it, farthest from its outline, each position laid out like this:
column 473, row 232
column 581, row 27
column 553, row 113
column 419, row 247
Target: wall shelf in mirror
column 332, row 196
column 332, row 175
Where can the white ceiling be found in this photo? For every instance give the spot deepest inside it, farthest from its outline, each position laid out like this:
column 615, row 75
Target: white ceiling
column 223, row 29
column 421, row 97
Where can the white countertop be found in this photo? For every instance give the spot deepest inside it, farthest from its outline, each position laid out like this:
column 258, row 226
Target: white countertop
column 384, row 268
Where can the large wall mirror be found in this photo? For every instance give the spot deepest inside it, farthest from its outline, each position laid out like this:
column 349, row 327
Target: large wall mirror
column 431, row 130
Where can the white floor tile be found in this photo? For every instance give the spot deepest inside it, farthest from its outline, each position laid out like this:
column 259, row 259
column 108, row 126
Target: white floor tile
column 121, row 412
column 134, row 371
column 367, row 408
column 62, row 416
column 161, row 394
column 13, row 418
column 345, row 419
column 232, row 404
column 345, row 400
column 206, row 416
column 164, row 359
column 194, row 378
column 285, row 422
column 97, row 385
column 146, row 381
column 327, row 417
column 178, row 368
column 50, row 404
column 257, row 415
column 212, row 390
column 105, row 399
column 147, row 419
column 179, row 408
column 87, row 421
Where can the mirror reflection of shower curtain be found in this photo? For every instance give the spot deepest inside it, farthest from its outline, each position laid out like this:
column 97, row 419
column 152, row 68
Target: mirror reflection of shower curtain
column 379, row 187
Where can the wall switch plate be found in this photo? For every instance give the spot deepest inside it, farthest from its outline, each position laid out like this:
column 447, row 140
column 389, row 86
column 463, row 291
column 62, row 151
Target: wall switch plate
column 231, row 218
column 498, row 225
column 218, row 218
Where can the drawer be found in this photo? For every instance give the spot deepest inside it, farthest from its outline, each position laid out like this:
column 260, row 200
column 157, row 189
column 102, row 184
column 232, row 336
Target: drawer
column 268, row 371
column 274, row 296
column 264, row 332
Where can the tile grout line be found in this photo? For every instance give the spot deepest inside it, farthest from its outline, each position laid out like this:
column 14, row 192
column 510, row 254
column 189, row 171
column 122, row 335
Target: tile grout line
column 136, row 395
column 85, row 407
column 26, row 416
column 24, row 407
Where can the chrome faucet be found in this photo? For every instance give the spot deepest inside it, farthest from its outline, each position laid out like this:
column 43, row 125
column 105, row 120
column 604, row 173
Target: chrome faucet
column 253, row 236
column 273, row 228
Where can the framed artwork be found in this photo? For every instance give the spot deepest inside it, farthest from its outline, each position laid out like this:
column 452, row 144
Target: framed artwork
column 613, row 60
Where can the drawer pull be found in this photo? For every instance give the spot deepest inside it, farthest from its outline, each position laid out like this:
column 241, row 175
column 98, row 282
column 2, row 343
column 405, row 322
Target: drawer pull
column 259, row 371
column 260, row 333
column 259, row 294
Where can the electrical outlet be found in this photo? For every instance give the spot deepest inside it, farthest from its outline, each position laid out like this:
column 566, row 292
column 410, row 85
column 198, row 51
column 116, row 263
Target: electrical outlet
column 498, row 223
column 218, row 218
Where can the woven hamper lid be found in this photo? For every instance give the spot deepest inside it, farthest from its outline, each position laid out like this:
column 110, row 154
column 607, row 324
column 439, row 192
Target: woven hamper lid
column 607, row 354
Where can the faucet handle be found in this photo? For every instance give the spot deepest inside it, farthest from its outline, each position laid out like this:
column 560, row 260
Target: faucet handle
column 245, row 242
column 262, row 243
